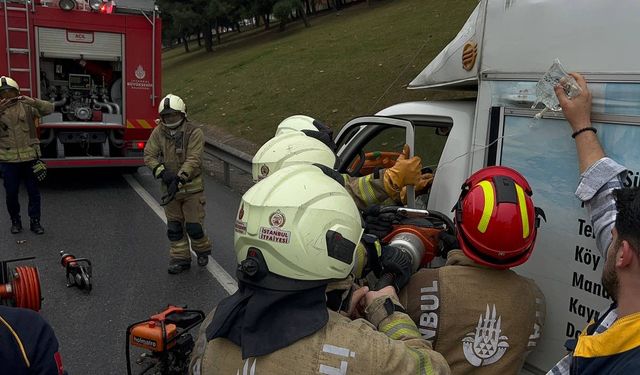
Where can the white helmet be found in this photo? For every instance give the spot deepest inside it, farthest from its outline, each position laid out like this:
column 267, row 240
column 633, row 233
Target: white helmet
column 8, row 83
column 172, row 104
column 296, row 123
column 299, row 225
column 290, row 149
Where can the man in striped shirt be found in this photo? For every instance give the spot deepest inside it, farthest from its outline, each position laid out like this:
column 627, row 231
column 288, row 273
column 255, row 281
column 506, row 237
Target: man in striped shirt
column 610, row 345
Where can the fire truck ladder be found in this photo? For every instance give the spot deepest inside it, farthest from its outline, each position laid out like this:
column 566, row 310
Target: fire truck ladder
column 20, row 10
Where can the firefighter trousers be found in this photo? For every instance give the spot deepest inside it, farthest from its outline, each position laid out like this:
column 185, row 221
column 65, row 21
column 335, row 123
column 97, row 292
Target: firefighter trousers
column 185, row 222
column 14, row 174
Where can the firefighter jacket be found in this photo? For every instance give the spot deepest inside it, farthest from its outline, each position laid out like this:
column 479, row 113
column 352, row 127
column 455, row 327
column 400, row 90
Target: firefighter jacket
column 18, row 131
column 342, row 346
column 368, row 190
column 180, row 151
column 482, row 320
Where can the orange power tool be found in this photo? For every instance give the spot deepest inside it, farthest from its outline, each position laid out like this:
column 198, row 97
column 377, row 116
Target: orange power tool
column 167, row 339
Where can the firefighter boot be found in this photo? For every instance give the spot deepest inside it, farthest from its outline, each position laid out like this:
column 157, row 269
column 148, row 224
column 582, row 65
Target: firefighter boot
column 203, row 258
column 178, row 265
column 16, row 225
column 35, row 226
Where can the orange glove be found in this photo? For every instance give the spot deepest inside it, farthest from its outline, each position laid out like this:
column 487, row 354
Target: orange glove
column 405, row 172
column 422, row 187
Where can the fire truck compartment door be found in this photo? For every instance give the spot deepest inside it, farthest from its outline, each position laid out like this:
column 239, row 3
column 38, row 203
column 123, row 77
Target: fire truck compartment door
column 69, row 44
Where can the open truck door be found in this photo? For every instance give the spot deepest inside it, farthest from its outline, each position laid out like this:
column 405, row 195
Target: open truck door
column 434, row 131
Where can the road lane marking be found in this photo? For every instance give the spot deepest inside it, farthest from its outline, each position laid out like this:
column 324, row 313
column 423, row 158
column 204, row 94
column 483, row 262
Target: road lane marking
column 221, row 276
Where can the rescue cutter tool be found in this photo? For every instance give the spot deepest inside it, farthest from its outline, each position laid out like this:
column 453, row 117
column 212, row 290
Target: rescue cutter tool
column 78, row 271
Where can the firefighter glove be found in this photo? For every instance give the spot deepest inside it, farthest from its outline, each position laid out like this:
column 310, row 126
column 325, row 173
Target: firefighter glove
column 377, row 223
column 422, row 186
column 39, row 170
column 406, row 171
column 172, row 190
column 448, row 242
column 167, row 176
column 397, row 263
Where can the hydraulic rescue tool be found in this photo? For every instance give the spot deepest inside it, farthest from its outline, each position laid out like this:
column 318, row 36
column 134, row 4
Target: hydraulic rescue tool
column 78, row 271
column 166, row 336
column 20, row 287
column 415, row 232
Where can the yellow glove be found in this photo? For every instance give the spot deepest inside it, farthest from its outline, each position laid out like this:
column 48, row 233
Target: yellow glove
column 422, row 187
column 405, row 172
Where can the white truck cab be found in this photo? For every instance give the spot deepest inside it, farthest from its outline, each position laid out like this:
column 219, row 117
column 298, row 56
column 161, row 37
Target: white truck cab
column 501, row 52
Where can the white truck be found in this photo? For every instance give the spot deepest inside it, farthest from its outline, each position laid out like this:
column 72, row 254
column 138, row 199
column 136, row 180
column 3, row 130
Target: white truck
column 502, row 51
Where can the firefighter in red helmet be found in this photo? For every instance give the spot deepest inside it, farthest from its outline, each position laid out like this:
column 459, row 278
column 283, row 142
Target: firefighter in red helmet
column 483, row 317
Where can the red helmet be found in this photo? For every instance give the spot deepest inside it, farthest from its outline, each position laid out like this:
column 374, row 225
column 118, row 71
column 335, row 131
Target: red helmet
column 495, row 218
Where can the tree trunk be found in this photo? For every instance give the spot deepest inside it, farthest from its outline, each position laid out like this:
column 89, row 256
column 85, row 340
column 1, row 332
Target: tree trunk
column 199, row 37
column 186, row 43
column 208, row 37
column 238, row 27
column 267, row 22
column 302, row 14
column 257, row 20
column 218, row 29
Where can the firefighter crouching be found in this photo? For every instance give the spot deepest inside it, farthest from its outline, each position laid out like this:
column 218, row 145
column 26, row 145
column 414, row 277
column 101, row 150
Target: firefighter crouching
column 174, row 154
column 295, row 233
column 483, row 317
column 20, row 151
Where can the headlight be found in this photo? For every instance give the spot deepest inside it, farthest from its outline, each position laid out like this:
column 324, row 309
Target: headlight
column 95, row 4
column 67, row 4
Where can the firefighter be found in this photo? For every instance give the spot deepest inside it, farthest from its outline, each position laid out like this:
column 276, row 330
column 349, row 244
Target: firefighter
column 483, row 317
column 386, row 187
column 20, row 151
column 174, row 154
column 28, row 344
column 295, row 233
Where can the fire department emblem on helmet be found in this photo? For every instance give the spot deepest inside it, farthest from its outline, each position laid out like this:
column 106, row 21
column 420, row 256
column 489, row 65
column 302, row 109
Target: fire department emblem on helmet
column 485, row 346
column 277, row 219
column 264, row 171
column 140, row 73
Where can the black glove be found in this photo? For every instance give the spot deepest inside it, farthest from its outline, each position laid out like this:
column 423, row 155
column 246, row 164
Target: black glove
column 167, row 176
column 378, row 224
column 172, row 190
column 448, row 242
column 397, row 263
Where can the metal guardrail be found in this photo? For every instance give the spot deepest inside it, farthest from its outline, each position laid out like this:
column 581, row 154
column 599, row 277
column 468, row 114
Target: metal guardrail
column 229, row 157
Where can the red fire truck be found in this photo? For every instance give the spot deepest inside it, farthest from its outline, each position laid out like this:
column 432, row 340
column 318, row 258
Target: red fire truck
column 99, row 62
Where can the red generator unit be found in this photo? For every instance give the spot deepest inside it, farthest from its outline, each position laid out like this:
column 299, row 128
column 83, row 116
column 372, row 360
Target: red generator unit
column 99, row 63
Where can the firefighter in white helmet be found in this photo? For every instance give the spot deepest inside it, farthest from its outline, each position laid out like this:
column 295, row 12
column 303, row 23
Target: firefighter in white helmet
column 20, row 151
column 294, row 234
column 307, row 146
column 174, row 154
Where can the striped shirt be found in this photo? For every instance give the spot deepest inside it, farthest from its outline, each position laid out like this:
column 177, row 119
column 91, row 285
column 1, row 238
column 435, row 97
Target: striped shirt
column 595, row 189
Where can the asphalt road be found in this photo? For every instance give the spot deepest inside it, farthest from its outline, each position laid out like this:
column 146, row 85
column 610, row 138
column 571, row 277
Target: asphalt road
column 98, row 215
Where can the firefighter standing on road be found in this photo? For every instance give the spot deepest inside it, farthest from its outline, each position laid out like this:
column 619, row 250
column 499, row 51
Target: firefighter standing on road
column 174, row 154
column 20, row 151
column 295, row 233
column 483, row 317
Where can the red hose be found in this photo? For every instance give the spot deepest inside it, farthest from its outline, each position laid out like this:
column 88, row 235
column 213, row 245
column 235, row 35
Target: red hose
column 26, row 287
